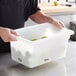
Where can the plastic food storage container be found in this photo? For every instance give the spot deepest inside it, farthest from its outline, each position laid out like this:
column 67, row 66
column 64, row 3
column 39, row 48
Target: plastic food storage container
column 50, row 44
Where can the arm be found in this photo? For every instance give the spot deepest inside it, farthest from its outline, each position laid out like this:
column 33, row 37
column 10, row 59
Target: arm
column 40, row 17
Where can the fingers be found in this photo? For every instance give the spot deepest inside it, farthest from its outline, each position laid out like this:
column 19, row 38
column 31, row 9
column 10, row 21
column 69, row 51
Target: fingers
column 12, row 35
column 8, row 35
column 58, row 23
column 13, row 32
column 61, row 24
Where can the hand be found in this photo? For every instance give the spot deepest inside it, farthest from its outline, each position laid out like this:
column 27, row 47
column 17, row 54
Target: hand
column 8, row 35
column 58, row 24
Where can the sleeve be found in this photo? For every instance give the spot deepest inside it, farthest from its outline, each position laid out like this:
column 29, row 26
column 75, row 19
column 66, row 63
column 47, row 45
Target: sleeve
column 34, row 6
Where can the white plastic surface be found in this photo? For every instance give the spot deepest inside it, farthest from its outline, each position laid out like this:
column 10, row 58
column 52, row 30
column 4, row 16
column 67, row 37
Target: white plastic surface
column 35, row 53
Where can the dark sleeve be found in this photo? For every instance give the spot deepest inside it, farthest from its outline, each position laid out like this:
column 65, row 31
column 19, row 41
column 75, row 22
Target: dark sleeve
column 34, row 6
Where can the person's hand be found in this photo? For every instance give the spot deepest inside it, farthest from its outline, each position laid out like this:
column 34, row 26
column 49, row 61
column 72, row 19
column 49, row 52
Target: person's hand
column 7, row 34
column 58, row 24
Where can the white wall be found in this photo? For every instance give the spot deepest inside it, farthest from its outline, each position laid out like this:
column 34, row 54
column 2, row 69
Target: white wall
column 73, row 17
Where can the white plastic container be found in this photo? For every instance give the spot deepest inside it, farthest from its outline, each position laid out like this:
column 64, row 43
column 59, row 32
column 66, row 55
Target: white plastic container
column 34, row 53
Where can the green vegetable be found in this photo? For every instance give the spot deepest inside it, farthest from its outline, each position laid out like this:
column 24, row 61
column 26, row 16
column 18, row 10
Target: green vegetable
column 44, row 37
column 34, row 39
